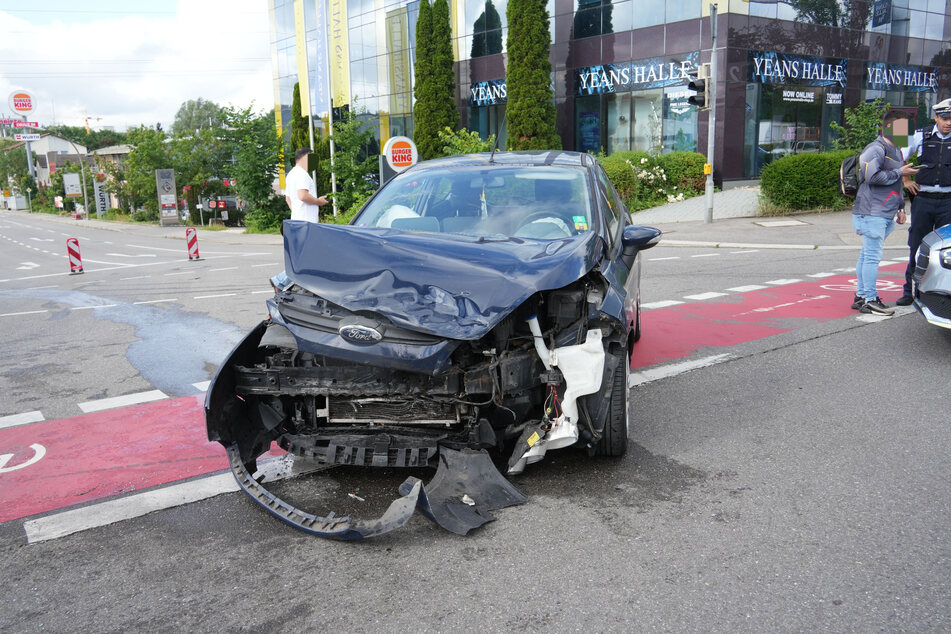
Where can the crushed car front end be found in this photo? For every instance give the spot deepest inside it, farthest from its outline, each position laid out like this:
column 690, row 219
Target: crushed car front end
column 397, row 347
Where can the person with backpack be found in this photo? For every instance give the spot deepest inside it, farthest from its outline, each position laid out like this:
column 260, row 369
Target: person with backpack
column 931, row 207
column 879, row 202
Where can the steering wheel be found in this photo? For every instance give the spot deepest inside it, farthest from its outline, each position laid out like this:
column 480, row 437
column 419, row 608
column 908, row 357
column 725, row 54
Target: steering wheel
column 540, row 215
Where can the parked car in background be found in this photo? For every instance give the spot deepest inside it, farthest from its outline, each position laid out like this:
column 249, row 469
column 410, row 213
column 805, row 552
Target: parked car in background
column 480, row 302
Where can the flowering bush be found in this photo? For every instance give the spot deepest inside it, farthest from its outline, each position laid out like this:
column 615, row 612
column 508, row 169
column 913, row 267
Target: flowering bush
column 644, row 181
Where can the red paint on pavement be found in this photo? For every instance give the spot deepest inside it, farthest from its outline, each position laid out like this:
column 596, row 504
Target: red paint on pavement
column 102, row 454
column 680, row 331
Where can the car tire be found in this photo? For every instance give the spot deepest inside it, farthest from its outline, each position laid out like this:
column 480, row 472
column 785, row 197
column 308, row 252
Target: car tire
column 614, row 435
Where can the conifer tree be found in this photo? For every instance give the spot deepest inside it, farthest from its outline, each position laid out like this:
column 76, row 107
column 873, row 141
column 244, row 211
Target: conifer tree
column 435, row 86
column 530, row 112
column 300, row 132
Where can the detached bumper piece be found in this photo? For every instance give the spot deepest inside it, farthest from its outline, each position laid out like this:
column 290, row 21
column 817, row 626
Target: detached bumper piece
column 466, row 487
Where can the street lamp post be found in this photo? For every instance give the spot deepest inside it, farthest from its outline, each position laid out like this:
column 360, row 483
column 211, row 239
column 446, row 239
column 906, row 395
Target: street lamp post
column 82, row 173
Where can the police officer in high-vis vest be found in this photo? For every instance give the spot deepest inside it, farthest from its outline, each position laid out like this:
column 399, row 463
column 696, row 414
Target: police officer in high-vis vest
column 931, row 207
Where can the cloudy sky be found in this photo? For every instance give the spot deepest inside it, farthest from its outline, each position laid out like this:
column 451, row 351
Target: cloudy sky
column 133, row 63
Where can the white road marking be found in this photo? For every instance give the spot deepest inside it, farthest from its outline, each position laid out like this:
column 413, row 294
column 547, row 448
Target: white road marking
column 154, row 301
column 821, row 275
column 768, row 309
column 91, row 307
column 26, row 266
column 42, row 239
column 214, row 296
column 272, row 292
column 746, row 289
column 180, row 273
column 254, row 266
column 744, row 251
column 122, row 401
column 155, row 499
column 705, row 255
column 703, row 296
column 782, row 282
column 663, row 304
column 139, row 277
column 37, row 288
column 203, row 386
column 26, row 312
column 229, row 268
column 21, row 419
column 111, row 511
column 133, row 255
column 673, row 369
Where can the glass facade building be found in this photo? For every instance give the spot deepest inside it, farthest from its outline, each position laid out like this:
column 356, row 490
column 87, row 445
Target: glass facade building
column 786, row 69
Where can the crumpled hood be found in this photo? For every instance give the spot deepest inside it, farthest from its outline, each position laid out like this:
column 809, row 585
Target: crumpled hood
column 453, row 286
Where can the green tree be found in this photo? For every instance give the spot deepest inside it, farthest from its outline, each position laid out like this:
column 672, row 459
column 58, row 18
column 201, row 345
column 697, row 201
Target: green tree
column 13, row 165
column 257, row 153
column 149, row 153
column 423, row 134
column 200, row 160
column 196, row 114
column 861, row 125
column 300, row 124
column 92, row 140
column 463, row 142
column 531, row 107
column 354, row 165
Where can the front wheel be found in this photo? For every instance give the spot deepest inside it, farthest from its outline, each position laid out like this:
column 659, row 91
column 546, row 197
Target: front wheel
column 614, row 435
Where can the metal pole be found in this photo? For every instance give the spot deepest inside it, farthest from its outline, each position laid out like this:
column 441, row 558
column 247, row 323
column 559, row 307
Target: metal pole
column 29, row 197
column 82, row 174
column 29, row 156
column 712, row 116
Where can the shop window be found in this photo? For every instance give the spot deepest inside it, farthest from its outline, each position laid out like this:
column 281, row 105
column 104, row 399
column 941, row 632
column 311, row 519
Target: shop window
column 592, row 17
column 680, row 121
column 650, row 13
column 619, row 122
column 588, row 124
column 487, row 32
column 683, row 10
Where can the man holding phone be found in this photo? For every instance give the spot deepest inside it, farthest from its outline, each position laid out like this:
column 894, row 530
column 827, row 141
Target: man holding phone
column 931, row 207
column 301, row 191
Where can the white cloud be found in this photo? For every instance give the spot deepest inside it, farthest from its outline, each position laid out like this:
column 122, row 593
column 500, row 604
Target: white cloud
column 137, row 68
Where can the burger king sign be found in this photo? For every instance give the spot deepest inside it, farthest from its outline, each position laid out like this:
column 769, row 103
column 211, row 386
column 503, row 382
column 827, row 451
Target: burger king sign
column 400, row 153
column 21, row 102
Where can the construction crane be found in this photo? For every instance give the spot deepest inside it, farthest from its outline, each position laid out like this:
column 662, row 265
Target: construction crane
column 86, row 120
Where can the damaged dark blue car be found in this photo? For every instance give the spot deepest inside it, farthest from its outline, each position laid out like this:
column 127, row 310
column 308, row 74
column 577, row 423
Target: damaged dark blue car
column 480, row 310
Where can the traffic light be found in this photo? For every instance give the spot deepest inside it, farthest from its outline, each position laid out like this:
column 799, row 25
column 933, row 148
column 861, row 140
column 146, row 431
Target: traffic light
column 699, row 86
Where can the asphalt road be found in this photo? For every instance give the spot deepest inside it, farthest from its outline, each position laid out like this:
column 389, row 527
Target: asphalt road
column 800, row 484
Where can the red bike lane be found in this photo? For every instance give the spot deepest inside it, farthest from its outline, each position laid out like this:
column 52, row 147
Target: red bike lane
column 54, row 464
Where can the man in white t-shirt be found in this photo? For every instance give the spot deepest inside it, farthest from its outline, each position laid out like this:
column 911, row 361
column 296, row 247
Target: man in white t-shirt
column 300, row 190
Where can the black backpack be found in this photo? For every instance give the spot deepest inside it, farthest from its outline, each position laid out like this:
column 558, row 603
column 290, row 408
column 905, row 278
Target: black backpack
column 850, row 175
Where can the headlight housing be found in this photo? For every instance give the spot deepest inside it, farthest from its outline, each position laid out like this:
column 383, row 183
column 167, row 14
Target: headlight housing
column 944, row 256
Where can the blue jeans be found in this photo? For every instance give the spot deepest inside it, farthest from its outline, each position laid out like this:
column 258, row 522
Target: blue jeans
column 873, row 230
column 281, row 280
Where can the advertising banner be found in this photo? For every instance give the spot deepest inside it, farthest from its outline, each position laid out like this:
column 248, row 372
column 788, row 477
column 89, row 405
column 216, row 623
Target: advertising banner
column 26, row 137
column 397, row 44
column 770, row 67
column 884, row 76
column 21, row 102
column 488, row 93
column 339, row 53
column 637, row 75
column 300, row 46
column 72, row 186
column 168, row 201
column 99, row 193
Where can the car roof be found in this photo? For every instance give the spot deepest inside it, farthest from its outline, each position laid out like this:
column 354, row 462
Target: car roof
column 530, row 158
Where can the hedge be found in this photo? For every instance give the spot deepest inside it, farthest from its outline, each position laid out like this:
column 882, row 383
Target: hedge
column 804, row 181
column 644, row 180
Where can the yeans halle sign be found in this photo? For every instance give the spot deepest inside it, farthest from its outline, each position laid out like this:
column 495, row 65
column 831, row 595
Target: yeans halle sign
column 770, row 67
column 639, row 75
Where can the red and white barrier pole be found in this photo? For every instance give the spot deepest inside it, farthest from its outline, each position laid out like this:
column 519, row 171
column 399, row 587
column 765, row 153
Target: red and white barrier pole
column 75, row 260
column 191, row 239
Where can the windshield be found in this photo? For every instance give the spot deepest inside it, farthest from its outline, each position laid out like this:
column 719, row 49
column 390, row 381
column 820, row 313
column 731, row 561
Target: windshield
column 544, row 202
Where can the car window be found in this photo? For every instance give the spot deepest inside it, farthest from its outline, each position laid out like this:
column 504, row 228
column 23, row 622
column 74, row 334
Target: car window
column 545, row 202
column 614, row 206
